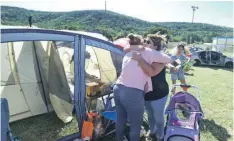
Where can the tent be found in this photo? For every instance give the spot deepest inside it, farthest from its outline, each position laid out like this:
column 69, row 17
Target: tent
column 25, row 85
column 36, row 70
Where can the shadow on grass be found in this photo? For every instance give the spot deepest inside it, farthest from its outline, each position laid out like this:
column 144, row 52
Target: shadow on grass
column 215, row 68
column 219, row 132
column 112, row 137
column 42, row 127
column 188, row 74
column 185, row 73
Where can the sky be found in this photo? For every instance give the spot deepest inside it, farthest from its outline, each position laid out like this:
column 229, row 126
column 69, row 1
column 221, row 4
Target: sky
column 212, row 12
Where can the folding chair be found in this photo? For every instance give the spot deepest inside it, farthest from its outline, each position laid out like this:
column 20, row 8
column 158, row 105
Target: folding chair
column 111, row 116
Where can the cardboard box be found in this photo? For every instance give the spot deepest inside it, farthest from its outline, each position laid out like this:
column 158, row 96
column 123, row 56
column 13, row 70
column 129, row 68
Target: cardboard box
column 91, row 87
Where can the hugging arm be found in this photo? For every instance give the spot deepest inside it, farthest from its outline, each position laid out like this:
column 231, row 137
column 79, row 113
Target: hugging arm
column 127, row 49
column 163, row 58
column 160, row 60
column 133, row 48
column 150, row 70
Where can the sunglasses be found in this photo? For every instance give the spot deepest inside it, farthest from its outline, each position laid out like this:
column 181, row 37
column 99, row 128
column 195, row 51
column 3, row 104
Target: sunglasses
column 147, row 41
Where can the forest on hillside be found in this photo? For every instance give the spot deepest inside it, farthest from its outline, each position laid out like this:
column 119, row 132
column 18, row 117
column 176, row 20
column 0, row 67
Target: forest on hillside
column 112, row 25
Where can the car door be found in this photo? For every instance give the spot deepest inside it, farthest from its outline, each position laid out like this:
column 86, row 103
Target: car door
column 203, row 57
column 208, row 57
column 215, row 58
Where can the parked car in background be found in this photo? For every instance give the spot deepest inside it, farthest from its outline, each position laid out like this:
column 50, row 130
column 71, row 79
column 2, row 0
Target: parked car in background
column 212, row 58
column 195, row 49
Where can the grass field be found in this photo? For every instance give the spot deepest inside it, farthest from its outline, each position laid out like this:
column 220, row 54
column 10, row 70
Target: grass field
column 216, row 86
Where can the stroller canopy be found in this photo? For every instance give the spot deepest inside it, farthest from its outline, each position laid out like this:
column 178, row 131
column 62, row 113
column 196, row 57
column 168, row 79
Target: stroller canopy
column 184, row 98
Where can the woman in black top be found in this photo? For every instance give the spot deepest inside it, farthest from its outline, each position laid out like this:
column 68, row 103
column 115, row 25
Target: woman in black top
column 155, row 100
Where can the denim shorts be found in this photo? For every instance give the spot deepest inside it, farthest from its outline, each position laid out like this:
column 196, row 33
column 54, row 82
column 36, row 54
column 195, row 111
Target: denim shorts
column 178, row 75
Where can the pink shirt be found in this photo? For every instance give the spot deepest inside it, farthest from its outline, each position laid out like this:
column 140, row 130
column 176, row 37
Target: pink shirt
column 133, row 76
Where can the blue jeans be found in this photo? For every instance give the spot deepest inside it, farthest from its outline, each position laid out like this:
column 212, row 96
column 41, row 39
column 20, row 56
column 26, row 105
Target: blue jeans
column 155, row 111
column 129, row 103
column 178, row 75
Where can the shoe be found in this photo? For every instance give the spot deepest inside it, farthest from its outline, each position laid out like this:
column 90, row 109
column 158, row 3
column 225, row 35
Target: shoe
column 143, row 132
column 150, row 136
column 148, row 139
column 125, row 139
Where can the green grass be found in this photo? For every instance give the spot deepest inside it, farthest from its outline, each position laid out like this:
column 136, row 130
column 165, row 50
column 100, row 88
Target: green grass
column 45, row 127
column 216, row 86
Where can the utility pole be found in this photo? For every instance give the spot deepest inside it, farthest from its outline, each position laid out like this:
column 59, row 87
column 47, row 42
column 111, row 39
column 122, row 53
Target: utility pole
column 30, row 21
column 105, row 34
column 194, row 9
column 105, row 6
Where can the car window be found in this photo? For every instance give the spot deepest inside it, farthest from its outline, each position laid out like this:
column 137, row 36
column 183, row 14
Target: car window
column 215, row 56
column 203, row 53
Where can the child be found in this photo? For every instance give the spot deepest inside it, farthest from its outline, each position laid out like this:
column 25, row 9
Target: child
column 177, row 72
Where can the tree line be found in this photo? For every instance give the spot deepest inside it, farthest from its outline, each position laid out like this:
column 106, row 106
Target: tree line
column 112, row 25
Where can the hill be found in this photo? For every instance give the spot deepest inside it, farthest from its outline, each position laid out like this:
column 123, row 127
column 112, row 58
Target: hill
column 111, row 23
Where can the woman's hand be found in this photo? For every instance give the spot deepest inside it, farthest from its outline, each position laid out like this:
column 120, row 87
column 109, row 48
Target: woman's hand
column 136, row 56
column 146, row 87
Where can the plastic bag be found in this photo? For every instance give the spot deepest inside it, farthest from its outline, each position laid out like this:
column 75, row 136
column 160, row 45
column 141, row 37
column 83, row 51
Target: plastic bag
column 98, row 130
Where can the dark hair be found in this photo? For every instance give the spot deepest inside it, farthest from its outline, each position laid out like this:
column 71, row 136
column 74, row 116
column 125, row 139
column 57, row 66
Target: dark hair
column 157, row 40
column 181, row 46
column 135, row 39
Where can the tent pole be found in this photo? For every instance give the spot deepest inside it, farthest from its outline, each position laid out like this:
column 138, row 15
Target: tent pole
column 39, row 71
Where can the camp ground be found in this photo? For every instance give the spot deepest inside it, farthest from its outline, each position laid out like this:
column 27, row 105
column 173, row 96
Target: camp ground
column 48, row 70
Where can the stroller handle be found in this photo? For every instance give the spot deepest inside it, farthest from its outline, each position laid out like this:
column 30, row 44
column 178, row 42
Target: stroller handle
column 187, row 86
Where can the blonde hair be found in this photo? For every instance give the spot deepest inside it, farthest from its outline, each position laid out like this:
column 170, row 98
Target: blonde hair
column 135, row 39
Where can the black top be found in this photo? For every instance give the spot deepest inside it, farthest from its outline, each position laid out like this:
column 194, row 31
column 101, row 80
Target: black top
column 160, row 87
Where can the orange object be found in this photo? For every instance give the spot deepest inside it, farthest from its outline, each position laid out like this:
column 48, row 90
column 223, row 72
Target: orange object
column 91, row 115
column 87, row 129
column 185, row 88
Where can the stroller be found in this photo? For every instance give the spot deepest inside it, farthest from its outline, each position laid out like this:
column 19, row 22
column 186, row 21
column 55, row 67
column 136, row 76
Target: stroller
column 184, row 114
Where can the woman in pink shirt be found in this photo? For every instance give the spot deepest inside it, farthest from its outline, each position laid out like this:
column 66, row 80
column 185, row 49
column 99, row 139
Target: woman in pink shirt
column 135, row 78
